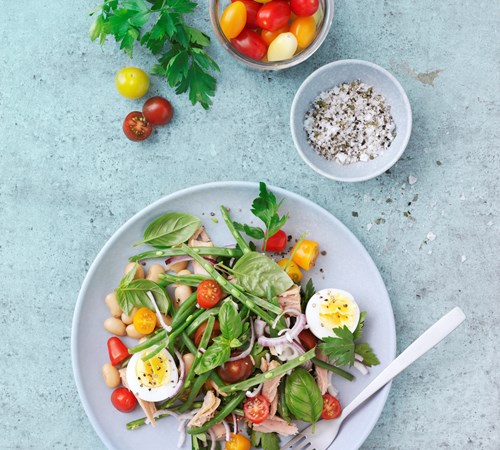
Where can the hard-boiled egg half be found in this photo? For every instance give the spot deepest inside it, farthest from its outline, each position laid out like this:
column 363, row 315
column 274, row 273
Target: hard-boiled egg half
column 155, row 379
column 331, row 308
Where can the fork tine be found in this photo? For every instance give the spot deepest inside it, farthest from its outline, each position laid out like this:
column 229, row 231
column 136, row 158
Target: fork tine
column 295, row 440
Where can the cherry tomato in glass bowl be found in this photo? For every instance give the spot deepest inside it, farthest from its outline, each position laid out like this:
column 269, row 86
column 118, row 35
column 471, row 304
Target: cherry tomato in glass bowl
column 250, row 44
column 256, row 409
column 270, row 36
column 331, row 407
column 208, row 293
column 233, row 20
column 274, row 15
column 282, row 48
column 238, row 442
column 123, row 400
column 304, row 8
column 136, row 127
column 117, row 350
column 235, row 371
column 132, row 82
column 252, row 8
column 158, row 111
column 304, row 29
column 144, row 320
column 199, row 333
column 277, row 242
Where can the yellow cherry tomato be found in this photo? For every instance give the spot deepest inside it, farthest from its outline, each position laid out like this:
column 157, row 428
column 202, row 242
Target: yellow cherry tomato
column 233, row 19
column 283, row 47
column 270, row 36
column 305, row 254
column 144, row 320
column 132, row 82
column 238, row 442
column 304, row 29
column 292, row 270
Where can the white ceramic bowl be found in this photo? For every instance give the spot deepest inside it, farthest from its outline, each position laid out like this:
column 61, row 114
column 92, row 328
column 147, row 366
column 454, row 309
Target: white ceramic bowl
column 336, row 73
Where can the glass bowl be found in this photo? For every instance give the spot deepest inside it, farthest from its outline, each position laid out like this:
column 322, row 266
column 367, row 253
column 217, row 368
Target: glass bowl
column 325, row 15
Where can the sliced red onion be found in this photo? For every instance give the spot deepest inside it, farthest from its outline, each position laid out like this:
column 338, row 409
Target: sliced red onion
column 250, row 345
column 361, row 367
column 213, row 439
column 255, row 392
column 289, row 311
column 358, row 357
column 235, row 423
column 260, row 327
column 332, row 390
column 289, row 335
column 166, row 327
column 182, row 436
column 228, row 430
column 176, row 259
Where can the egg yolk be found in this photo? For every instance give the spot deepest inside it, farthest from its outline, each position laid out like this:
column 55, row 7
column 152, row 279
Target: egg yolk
column 337, row 311
column 153, row 372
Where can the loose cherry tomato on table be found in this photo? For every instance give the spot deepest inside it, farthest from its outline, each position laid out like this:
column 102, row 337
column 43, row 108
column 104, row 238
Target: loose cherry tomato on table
column 144, row 320
column 208, row 293
column 158, row 111
column 117, row 350
column 305, row 254
column 123, row 400
column 132, row 82
column 238, row 442
column 250, row 44
column 252, row 10
column 331, row 407
column 136, row 127
column 274, row 15
column 304, row 29
column 256, row 409
column 304, row 8
column 276, row 242
column 234, row 19
column 283, row 47
column 307, row 339
column 199, row 333
column 270, row 36
column 292, row 270
column 235, row 371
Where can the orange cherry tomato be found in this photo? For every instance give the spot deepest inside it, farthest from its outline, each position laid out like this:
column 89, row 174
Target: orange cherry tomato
column 292, row 270
column 304, row 29
column 305, row 254
column 270, row 36
column 144, row 321
column 238, row 442
column 233, row 19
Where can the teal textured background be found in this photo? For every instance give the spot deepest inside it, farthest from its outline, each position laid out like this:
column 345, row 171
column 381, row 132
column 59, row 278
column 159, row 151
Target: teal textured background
column 70, row 178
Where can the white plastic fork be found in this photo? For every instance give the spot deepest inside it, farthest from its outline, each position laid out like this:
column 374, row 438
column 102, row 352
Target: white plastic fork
column 326, row 430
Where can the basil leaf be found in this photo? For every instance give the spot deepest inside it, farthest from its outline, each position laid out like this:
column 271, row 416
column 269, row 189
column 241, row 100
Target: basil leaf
column 303, row 397
column 170, row 229
column 134, row 293
column 216, row 355
column 257, row 274
column 230, row 322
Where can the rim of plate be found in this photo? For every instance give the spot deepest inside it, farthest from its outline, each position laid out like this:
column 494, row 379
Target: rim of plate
column 384, row 392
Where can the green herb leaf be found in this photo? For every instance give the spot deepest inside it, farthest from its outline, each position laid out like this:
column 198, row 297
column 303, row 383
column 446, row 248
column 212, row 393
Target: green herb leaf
column 253, row 232
column 257, row 273
column 134, row 293
column 170, row 229
column 307, row 293
column 230, row 322
column 358, row 332
column 365, row 351
column 267, row 441
column 216, row 355
column 302, row 396
column 341, row 348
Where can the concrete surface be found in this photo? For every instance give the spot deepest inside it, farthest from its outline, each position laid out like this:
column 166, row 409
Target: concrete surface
column 69, row 178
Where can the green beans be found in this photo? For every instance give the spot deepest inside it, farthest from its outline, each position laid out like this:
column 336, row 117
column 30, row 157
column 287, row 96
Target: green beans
column 188, row 343
column 236, row 234
column 142, row 421
column 184, row 310
column 195, row 390
column 269, row 375
column 205, row 314
column 162, row 334
column 216, row 379
column 228, row 408
column 334, row 369
column 157, row 350
column 260, row 302
column 188, row 280
column 205, row 251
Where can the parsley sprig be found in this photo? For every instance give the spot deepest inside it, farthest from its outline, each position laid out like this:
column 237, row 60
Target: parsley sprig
column 159, row 25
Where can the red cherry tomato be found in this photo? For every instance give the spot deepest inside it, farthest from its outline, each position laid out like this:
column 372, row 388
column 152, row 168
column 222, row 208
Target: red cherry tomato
column 136, row 127
column 256, row 409
column 123, row 400
column 158, row 111
column 307, row 339
column 331, row 407
column 250, row 44
column 199, row 333
column 270, row 36
column 252, row 10
column 235, row 371
column 304, row 7
column 274, row 15
column 208, row 293
column 118, row 351
column 277, row 242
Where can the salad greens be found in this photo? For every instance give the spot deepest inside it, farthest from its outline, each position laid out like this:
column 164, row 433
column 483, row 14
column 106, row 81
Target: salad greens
column 266, row 441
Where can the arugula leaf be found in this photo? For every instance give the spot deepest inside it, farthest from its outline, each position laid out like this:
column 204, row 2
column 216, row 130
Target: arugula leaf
column 216, row 355
column 365, row 351
column 230, row 322
column 134, row 293
column 307, row 293
column 267, row 441
column 358, row 332
column 341, row 348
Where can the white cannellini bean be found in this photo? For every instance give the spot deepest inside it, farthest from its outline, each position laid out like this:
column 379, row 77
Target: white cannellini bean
column 182, row 293
column 133, row 333
column 177, row 267
column 114, row 326
column 112, row 304
column 188, row 360
column 127, row 320
column 139, row 273
column 111, row 375
column 154, row 271
column 184, row 272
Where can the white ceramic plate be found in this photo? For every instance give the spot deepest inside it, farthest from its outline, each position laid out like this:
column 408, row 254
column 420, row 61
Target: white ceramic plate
column 346, row 265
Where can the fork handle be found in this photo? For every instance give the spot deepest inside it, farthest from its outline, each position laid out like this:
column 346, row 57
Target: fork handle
column 435, row 334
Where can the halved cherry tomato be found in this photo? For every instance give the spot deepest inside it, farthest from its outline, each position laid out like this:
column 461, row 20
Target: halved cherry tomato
column 235, row 371
column 250, row 44
column 252, row 10
column 270, row 36
column 304, row 29
column 123, row 400
column 144, row 320
column 117, row 350
column 136, row 127
column 208, row 293
column 331, row 407
column 238, row 442
column 274, row 15
column 233, row 19
column 276, row 242
column 292, row 270
column 256, row 409
column 304, row 7
column 307, row 339
column 199, row 333
column 306, row 254
column 158, row 111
